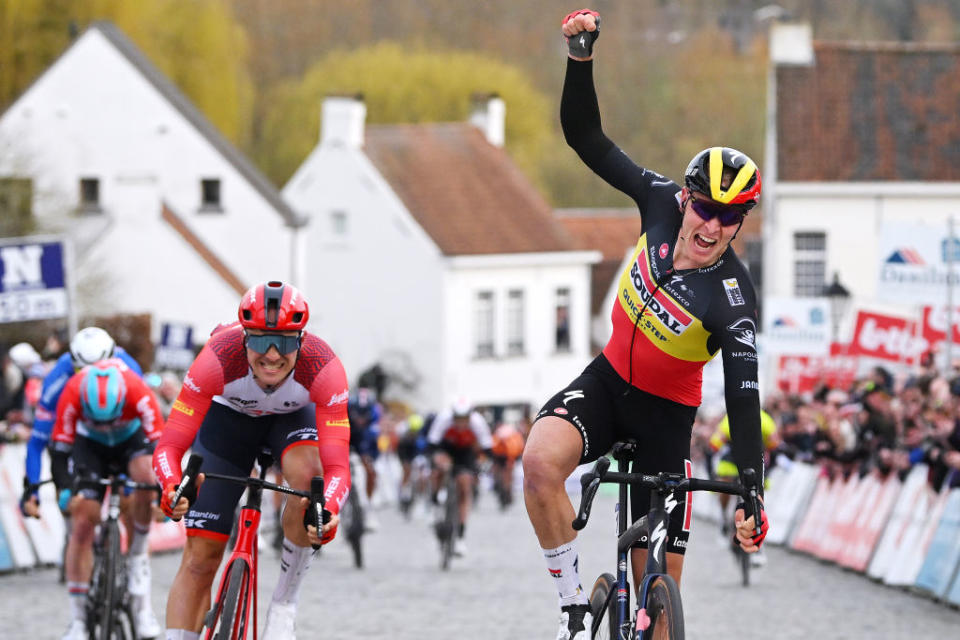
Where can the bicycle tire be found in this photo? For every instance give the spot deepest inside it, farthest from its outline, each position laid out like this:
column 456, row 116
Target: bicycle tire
column 105, row 611
column 603, row 607
column 356, row 528
column 124, row 627
column 232, row 608
column 665, row 610
column 744, row 559
column 451, row 518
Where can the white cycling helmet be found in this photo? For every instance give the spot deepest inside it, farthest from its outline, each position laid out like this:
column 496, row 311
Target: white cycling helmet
column 91, row 345
column 24, row 355
column 461, row 407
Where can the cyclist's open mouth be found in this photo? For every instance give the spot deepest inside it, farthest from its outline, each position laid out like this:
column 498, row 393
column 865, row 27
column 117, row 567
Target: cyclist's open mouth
column 704, row 243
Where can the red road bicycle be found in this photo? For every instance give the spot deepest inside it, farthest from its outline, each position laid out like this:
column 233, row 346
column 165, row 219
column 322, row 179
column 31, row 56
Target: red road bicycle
column 236, row 602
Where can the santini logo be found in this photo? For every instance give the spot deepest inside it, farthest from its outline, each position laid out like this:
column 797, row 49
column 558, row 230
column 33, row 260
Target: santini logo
column 906, row 256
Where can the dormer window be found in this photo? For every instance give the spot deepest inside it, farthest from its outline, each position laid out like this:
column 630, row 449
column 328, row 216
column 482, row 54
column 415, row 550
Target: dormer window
column 210, row 195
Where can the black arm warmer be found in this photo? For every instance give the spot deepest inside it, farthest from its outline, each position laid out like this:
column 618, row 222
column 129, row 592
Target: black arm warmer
column 746, row 438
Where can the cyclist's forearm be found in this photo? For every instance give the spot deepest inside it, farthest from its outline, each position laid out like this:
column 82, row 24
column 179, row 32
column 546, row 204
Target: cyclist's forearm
column 35, row 447
column 746, row 438
column 580, row 113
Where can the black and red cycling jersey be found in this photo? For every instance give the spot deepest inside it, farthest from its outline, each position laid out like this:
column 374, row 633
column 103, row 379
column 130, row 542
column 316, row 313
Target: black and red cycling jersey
column 667, row 324
column 222, row 374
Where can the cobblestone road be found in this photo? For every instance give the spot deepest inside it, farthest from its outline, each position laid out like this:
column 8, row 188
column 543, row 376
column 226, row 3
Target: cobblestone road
column 501, row 590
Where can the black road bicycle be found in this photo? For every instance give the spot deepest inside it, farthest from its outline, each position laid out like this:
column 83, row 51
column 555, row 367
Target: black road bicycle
column 446, row 527
column 109, row 607
column 659, row 611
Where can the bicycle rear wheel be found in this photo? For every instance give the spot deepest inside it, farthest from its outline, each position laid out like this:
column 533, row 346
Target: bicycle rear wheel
column 665, row 610
column 603, row 607
column 229, row 615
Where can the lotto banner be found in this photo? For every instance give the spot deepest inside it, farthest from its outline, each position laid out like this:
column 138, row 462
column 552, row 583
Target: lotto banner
column 935, row 321
column 887, row 337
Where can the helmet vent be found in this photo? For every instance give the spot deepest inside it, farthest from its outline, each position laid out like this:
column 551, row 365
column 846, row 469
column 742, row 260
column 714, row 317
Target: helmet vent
column 297, row 317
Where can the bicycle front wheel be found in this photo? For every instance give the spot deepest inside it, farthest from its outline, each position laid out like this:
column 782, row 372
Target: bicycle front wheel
column 231, row 623
column 355, row 527
column 603, row 607
column 451, row 521
column 103, row 603
column 665, row 610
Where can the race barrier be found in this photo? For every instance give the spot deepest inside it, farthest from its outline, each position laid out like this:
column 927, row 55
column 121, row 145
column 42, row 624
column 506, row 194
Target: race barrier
column 943, row 555
column 32, row 542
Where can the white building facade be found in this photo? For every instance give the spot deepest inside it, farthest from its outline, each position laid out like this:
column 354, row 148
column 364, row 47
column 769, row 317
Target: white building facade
column 411, row 270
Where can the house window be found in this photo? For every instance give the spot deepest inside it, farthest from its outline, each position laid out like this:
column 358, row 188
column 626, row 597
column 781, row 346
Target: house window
column 89, row 194
column 809, row 263
column 338, row 223
column 210, row 194
column 515, row 346
column 562, row 320
column 483, row 324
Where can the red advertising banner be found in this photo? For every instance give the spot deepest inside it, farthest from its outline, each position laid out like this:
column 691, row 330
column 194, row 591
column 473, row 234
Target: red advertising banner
column 886, row 337
column 935, row 324
column 802, row 374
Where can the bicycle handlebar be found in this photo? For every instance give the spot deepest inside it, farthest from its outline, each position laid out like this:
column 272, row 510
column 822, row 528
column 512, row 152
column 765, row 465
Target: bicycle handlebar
column 672, row 482
column 187, row 486
column 118, row 481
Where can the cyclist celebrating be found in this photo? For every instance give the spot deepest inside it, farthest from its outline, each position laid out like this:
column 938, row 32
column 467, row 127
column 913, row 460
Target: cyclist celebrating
column 107, row 422
column 88, row 346
column 455, row 437
column 684, row 297
column 262, row 383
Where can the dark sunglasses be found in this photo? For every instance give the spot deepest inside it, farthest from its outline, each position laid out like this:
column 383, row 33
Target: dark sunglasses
column 262, row 343
column 728, row 216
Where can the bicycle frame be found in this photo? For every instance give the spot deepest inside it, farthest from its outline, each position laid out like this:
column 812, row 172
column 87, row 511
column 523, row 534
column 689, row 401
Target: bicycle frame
column 652, row 527
column 244, row 550
column 244, row 555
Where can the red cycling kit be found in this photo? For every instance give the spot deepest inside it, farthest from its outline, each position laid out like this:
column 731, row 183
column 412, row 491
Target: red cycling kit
column 105, row 447
column 220, row 392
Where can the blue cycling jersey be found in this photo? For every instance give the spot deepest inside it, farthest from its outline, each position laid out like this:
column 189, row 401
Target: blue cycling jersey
column 46, row 411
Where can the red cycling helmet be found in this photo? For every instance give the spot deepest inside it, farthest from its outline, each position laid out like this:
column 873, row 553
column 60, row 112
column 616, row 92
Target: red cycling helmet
column 273, row 306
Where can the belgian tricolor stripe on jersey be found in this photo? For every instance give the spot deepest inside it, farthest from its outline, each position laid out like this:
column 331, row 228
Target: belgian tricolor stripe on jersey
column 671, row 346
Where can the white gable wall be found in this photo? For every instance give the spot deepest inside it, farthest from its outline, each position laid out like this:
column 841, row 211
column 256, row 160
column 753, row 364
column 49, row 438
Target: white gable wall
column 852, row 215
column 375, row 289
column 93, row 114
column 541, row 372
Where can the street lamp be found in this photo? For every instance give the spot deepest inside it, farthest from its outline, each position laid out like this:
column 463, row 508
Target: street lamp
column 839, row 297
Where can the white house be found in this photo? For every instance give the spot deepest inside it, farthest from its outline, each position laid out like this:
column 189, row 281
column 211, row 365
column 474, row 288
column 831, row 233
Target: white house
column 164, row 214
column 432, row 255
column 863, row 141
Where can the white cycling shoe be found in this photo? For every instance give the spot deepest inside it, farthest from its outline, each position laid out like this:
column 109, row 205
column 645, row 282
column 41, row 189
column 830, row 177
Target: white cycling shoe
column 575, row 622
column 138, row 575
column 148, row 627
column 280, row 622
column 459, row 547
column 76, row 631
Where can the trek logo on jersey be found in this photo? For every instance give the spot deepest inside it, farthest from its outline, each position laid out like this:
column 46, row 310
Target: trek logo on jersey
column 734, row 295
column 190, row 384
column 343, row 422
column 745, row 332
column 672, row 316
column 164, row 464
column 339, row 398
column 182, row 407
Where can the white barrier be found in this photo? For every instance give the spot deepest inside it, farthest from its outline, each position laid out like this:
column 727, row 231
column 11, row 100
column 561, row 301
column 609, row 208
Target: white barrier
column 11, row 487
column 943, row 556
column 876, row 501
column 899, row 530
column 787, row 499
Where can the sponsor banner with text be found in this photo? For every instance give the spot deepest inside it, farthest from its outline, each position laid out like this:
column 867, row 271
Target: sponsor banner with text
column 887, row 337
column 803, row 374
column 796, row 325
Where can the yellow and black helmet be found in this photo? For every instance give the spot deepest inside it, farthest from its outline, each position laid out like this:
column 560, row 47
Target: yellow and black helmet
column 705, row 171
